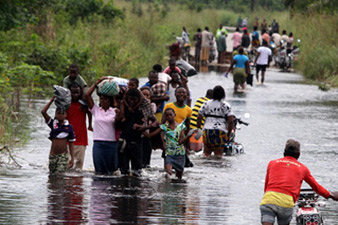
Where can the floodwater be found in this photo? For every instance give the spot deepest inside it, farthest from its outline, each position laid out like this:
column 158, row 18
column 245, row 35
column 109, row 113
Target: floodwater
column 226, row 191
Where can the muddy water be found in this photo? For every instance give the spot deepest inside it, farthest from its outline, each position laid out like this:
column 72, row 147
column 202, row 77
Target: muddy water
column 226, row 191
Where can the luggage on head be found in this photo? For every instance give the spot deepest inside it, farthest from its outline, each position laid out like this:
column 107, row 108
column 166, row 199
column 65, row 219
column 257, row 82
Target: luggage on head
column 63, row 97
column 108, row 87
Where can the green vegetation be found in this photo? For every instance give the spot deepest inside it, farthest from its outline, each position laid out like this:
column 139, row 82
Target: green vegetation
column 40, row 39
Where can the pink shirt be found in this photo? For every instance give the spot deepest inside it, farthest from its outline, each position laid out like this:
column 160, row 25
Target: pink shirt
column 104, row 122
column 237, row 38
column 168, row 70
column 266, row 37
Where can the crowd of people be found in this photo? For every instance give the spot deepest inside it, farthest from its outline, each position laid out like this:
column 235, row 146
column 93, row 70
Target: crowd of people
column 254, row 49
column 137, row 119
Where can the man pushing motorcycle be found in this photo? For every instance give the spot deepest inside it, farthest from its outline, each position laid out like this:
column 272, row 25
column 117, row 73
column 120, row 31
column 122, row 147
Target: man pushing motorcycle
column 283, row 181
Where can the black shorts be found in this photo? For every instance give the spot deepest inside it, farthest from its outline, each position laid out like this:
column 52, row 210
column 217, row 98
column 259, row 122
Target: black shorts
column 261, row 67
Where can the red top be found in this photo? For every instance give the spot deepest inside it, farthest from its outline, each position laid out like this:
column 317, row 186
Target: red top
column 168, row 70
column 286, row 175
column 76, row 115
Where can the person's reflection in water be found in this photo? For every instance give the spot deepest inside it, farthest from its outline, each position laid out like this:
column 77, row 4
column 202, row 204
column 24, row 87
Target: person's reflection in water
column 118, row 200
column 204, row 68
column 65, row 200
column 174, row 207
column 222, row 69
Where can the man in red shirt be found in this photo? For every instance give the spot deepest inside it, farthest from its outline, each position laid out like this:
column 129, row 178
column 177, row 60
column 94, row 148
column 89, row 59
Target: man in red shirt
column 283, row 181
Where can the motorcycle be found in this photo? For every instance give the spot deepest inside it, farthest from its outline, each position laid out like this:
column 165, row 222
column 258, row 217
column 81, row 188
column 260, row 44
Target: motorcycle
column 308, row 208
column 282, row 59
column 232, row 147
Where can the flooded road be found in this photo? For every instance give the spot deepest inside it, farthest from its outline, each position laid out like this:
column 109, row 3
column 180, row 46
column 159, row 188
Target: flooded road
column 226, row 191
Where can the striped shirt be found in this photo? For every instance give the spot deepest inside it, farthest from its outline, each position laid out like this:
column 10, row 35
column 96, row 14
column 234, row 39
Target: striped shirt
column 193, row 121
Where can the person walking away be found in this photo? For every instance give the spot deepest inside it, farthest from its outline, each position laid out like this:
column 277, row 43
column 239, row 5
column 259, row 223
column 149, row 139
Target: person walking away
column 266, row 37
column 221, row 47
column 212, row 51
column 283, row 182
column 256, row 22
column 245, row 22
column 197, row 145
column 132, row 129
column 264, row 25
column 236, row 38
column 262, row 61
column 185, row 36
column 218, row 123
column 105, row 157
column 61, row 133
column 273, row 27
column 255, row 43
column 175, row 50
column 276, row 38
column 198, row 45
column 284, row 38
column 186, row 44
column 219, row 31
column 289, row 45
column 205, row 46
column 76, row 115
column 198, row 104
column 239, row 21
column 245, row 39
column 241, row 71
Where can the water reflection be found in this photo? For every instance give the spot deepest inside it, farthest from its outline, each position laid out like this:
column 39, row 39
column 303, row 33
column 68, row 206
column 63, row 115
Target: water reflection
column 65, row 200
column 173, row 203
column 205, row 68
column 117, row 200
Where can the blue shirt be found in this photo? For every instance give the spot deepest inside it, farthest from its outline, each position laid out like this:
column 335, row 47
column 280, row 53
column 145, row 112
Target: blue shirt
column 148, row 84
column 255, row 35
column 241, row 60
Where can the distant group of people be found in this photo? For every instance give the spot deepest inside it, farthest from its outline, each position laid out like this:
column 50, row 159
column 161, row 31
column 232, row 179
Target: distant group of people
column 258, row 44
column 260, row 47
column 204, row 43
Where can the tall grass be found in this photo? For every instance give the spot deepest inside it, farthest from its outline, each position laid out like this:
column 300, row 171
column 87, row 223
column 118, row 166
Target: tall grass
column 319, row 47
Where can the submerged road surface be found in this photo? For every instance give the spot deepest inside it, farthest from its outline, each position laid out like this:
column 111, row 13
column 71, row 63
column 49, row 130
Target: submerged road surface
column 226, row 191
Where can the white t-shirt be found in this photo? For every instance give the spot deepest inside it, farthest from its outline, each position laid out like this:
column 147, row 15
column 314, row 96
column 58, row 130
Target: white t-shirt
column 285, row 38
column 276, row 38
column 215, row 113
column 263, row 57
column 164, row 78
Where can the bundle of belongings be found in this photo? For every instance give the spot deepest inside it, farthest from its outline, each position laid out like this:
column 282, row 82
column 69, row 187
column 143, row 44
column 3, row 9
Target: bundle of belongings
column 63, row 97
column 186, row 68
column 108, row 87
